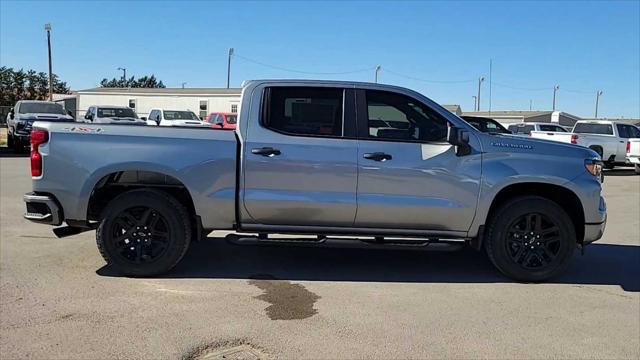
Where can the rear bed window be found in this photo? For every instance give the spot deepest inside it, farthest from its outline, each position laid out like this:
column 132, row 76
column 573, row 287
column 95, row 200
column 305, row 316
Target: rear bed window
column 588, row 128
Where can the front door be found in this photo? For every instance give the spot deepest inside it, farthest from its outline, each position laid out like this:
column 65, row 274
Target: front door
column 409, row 177
column 300, row 159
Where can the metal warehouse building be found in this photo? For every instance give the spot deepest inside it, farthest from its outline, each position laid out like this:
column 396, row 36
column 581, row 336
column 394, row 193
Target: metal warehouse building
column 201, row 101
column 511, row 117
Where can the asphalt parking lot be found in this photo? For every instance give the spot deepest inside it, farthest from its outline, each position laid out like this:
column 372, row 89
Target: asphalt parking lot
column 58, row 300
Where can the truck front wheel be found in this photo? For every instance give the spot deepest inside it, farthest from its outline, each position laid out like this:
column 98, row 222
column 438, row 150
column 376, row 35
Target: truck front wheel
column 143, row 233
column 530, row 239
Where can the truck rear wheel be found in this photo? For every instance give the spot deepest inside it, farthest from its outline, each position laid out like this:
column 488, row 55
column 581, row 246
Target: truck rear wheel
column 530, row 239
column 143, row 233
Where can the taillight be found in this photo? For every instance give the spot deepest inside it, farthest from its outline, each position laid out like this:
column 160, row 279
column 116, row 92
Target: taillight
column 574, row 139
column 38, row 137
column 628, row 147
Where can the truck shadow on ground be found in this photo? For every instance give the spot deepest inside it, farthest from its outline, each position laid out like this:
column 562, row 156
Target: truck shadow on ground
column 215, row 258
column 619, row 172
column 6, row 152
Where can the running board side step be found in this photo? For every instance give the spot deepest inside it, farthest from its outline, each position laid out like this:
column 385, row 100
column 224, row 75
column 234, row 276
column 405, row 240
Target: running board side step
column 349, row 242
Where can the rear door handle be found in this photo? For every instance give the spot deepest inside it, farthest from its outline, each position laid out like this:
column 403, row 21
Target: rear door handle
column 377, row 156
column 266, row 151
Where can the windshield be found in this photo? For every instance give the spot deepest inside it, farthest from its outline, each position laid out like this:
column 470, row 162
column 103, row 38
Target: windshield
column 554, row 128
column 495, row 127
column 232, row 119
column 180, row 115
column 41, row 108
column 116, row 113
column 521, row 129
column 593, row 128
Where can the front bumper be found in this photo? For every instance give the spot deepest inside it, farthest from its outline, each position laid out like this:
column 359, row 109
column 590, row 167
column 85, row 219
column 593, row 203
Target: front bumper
column 43, row 209
column 594, row 231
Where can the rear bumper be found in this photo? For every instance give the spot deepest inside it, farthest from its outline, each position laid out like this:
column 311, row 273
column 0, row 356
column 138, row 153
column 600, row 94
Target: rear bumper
column 633, row 160
column 43, row 209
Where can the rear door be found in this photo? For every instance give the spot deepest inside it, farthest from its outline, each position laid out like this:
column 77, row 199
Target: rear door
column 623, row 137
column 409, row 177
column 300, row 157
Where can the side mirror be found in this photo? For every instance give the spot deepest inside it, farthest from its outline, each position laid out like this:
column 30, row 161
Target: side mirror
column 12, row 114
column 219, row 122
column 460, row 139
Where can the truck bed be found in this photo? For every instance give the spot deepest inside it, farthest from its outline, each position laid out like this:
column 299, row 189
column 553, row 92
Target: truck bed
column 202, row 159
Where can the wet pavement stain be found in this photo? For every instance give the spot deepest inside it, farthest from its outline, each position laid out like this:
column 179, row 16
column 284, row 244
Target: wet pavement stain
column 288, row 301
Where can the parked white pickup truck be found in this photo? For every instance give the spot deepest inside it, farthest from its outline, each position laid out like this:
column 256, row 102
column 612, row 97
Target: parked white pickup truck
column 633, row 153
column 607, row 138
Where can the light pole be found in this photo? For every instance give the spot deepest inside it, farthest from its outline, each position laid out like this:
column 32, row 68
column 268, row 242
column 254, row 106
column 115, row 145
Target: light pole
column 598, row 93
column 475, row 102
column 480, row 80
column 183, row 84
column 124, row 73
column 555, row 88
column 47, row 27
column 378, row 67
column 229, row 66
column 530, row 104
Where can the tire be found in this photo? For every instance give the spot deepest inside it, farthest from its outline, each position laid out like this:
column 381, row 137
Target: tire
column 9, row 141
column 154, row 233
column 597, row 149
column 553, row 242
column 636, row 168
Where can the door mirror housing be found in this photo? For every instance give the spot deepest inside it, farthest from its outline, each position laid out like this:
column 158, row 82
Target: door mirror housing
column 219, row 122
column 88, row 116
column 143, row 118
column 459, row 138
column 12, row 114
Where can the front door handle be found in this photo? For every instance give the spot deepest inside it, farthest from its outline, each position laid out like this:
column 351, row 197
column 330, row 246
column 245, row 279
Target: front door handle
column 266, row 151
column 377, row 156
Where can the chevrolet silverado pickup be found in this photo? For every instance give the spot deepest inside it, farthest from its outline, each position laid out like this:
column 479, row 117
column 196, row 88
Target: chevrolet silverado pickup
column 319, row 158
column 22, row 116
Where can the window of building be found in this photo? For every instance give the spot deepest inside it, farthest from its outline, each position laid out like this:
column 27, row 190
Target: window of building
column 204, row 107
column 304, row 110
column 132, row 103
column 398, row 117
column 234, row 108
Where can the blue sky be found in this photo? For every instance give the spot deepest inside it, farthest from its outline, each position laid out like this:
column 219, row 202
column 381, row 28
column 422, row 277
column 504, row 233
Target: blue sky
column 581, row 46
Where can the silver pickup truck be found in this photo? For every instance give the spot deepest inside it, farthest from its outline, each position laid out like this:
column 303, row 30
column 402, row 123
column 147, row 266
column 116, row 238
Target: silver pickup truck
column 319, row 158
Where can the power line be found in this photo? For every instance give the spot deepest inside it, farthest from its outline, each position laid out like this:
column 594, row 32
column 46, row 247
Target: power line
column 300, row 71
column 426, row 80
column 520, row 88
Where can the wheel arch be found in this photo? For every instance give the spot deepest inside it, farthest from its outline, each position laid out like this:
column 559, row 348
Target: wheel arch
column 564, row 197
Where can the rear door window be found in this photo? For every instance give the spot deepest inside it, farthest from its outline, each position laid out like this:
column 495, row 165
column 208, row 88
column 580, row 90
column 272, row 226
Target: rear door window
column 305, row 111
column 593, row 128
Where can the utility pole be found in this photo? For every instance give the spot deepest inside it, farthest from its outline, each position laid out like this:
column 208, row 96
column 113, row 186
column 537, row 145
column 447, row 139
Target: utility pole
column 378, row 67
column 229, row 66
column 124, row 74
column 530, row 104
column 490, row 83
column 475, row 102
column 480, row 80
column 555, row 88
column 598, row 93
column 183, row 84
column 47, row 27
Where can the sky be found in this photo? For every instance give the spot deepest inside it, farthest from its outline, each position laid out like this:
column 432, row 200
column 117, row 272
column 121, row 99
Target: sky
column 437, row 48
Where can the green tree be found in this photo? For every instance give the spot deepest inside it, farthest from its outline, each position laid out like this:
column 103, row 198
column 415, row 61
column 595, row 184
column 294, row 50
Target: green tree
column 132, row 82
column 18, row 85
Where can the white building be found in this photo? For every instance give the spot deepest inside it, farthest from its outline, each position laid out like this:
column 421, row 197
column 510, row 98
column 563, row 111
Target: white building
column 201, row 101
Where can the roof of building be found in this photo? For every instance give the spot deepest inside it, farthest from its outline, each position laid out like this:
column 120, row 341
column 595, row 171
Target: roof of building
column 525, row 114
column 452, row 107
column 178, row 91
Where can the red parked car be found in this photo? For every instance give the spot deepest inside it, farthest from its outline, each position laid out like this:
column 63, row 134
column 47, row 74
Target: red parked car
column 223, row 120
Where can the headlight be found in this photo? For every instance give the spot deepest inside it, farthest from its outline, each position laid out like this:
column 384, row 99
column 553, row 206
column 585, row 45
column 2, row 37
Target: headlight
column 593, row 166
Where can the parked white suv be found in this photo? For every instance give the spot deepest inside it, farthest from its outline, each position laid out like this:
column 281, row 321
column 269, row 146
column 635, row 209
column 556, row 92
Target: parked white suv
column 525, row 128
column 174, row 118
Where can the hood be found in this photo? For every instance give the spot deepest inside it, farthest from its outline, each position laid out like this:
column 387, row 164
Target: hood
column 190, row 123
column 31, row 117
column 123, row 120
column 506, row 142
